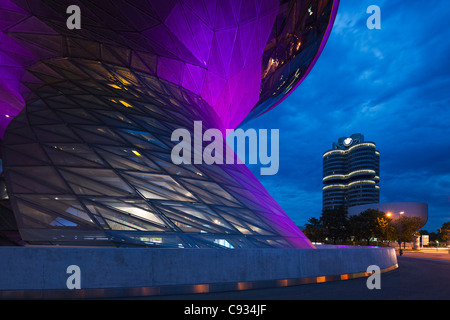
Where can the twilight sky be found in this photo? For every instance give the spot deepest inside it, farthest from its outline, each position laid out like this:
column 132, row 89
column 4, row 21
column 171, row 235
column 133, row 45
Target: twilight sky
column 393, row 86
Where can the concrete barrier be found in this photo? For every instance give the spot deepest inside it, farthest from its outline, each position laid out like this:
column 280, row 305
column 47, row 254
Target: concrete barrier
column 42, row 272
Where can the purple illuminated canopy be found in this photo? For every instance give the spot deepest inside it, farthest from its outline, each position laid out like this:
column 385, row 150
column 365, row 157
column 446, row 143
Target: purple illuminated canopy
column 87, row 115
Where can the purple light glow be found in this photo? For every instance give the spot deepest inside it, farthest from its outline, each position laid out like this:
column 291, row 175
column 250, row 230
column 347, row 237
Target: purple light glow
column 221, row 49
column 216, row 61
column 213, row 50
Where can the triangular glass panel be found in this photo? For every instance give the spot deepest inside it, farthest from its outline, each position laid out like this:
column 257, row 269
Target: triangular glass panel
column 212, row 187
column 78, row 150
column 123, row 163
column 154, row 186
column 66, row 205
column 104, row 176
column 85, row 186
column 43, row 179
column 98, row 135
column 61, row 158
column 149, row 140
column 31, row 150
column 120, row 210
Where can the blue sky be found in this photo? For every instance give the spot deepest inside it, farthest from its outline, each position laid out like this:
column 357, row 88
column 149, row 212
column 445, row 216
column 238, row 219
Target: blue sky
column 393, row 86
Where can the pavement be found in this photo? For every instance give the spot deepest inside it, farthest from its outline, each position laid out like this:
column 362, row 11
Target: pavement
column 437, row 254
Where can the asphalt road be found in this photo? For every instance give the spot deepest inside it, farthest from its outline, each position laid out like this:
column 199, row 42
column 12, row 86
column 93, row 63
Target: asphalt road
column 414, row 279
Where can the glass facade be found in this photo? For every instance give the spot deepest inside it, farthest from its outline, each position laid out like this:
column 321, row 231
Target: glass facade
column 351, row 173
column 87, row 158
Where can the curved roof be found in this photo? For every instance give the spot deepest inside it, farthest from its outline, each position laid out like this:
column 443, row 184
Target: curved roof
column 211, row 48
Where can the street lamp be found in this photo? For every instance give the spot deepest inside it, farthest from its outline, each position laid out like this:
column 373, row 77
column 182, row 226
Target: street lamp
column 400, row 240
column 388, row 215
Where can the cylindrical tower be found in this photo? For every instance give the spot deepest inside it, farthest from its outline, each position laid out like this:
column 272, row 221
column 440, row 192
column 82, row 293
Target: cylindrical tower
column 351, row 173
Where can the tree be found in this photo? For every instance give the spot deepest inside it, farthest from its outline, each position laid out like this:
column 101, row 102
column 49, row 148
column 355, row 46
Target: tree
column 355, row 226
column 406, row 228
column 368, row 224
column 433, row 236
column 335, row 223
column 384, row 223
column 444, row 232
column 314, row 230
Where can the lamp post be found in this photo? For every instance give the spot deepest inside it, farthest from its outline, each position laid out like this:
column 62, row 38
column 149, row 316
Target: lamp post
column 388, row 215
column 400, row 236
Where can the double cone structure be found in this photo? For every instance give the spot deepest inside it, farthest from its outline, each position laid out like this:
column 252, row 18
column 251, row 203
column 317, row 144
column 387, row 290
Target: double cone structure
column 87, row 155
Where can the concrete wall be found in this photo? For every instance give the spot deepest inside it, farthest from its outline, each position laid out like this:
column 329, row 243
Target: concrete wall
column 44, row 268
